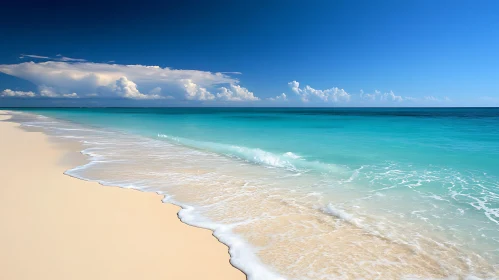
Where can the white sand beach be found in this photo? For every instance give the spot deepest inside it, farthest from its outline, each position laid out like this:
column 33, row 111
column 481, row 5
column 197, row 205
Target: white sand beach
column 53, row 226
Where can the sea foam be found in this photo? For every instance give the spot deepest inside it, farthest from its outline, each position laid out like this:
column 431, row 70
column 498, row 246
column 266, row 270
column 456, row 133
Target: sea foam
column 288, row 160
column 269, row 220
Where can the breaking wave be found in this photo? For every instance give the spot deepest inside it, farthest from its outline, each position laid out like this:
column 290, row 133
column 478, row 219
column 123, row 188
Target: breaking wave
column 288, row 160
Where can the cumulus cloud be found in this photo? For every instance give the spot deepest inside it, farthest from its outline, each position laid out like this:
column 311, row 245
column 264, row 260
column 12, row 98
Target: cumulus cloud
column 128, row 89
column 295, row 87
column 15, row 93
column 391, row 96
column 281, row 97
column 50, row 92
column 157, row 91
column 387, row 96
column 195, row 92
column 368, row 96
column 106, row 80
column 307, row 93
column 236, row 93
column 46, row 91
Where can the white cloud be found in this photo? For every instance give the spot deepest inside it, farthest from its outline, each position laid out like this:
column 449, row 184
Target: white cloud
column 46, row 91
column 281, row 97
column 391, row 96
column 128, row 89
column 22, row 56
column 387, row 96
column 332, row 94
column 43, row 90
column 368, row 96
column 65, row 58
column 410, row 98
column 195, row 92
column 236, row 73
column 15, row 93
column 103, row 79
column 70, row 95
column 295, row 87
column 157, row 91
column 50, row 92
column 58, row 57
column 224, row 94
column 432, row 98
column 236, row 93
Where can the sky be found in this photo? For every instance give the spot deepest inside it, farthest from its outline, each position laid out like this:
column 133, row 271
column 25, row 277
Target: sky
column 327, row 53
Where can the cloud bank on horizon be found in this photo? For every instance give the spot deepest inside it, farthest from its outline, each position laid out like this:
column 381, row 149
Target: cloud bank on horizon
column 76, row 78
column 65, row 77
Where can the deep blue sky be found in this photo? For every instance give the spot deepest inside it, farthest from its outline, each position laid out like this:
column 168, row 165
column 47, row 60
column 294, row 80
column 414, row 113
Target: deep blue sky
column 448, row 50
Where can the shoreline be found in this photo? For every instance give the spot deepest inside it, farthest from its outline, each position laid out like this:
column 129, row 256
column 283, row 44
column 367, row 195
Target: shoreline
column 214, row 194
column 77, row 229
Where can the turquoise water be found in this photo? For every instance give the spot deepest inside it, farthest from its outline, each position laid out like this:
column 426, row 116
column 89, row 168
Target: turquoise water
column 467, row 138
column 302, row 193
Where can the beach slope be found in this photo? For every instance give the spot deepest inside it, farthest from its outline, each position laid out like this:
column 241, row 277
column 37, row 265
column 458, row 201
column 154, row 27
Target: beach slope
column 53, row 226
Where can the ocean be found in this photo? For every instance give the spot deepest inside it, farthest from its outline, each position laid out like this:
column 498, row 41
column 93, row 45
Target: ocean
column 310, row 193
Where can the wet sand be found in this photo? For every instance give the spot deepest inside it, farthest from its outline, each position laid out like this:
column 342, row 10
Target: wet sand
column 54, row 226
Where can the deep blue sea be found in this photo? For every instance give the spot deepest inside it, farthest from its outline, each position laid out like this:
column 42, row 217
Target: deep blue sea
column 311, row 193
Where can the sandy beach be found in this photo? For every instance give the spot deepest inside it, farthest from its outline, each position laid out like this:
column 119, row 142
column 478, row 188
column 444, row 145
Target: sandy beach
column 54, row 226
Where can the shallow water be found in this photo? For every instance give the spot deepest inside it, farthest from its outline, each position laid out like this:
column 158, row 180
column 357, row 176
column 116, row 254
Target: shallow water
column 311, row 193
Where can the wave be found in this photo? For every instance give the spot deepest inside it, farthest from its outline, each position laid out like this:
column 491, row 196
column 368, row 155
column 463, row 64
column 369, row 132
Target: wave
column 242, row 254
column 341, row 214
column 291, row 155
column 105, row 148
column 288, row 160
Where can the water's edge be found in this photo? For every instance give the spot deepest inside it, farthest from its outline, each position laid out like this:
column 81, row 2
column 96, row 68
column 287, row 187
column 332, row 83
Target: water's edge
column 222, row 235
column 282, row 210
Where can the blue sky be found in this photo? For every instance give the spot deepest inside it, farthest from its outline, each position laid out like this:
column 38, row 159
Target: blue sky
column 250, row 53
